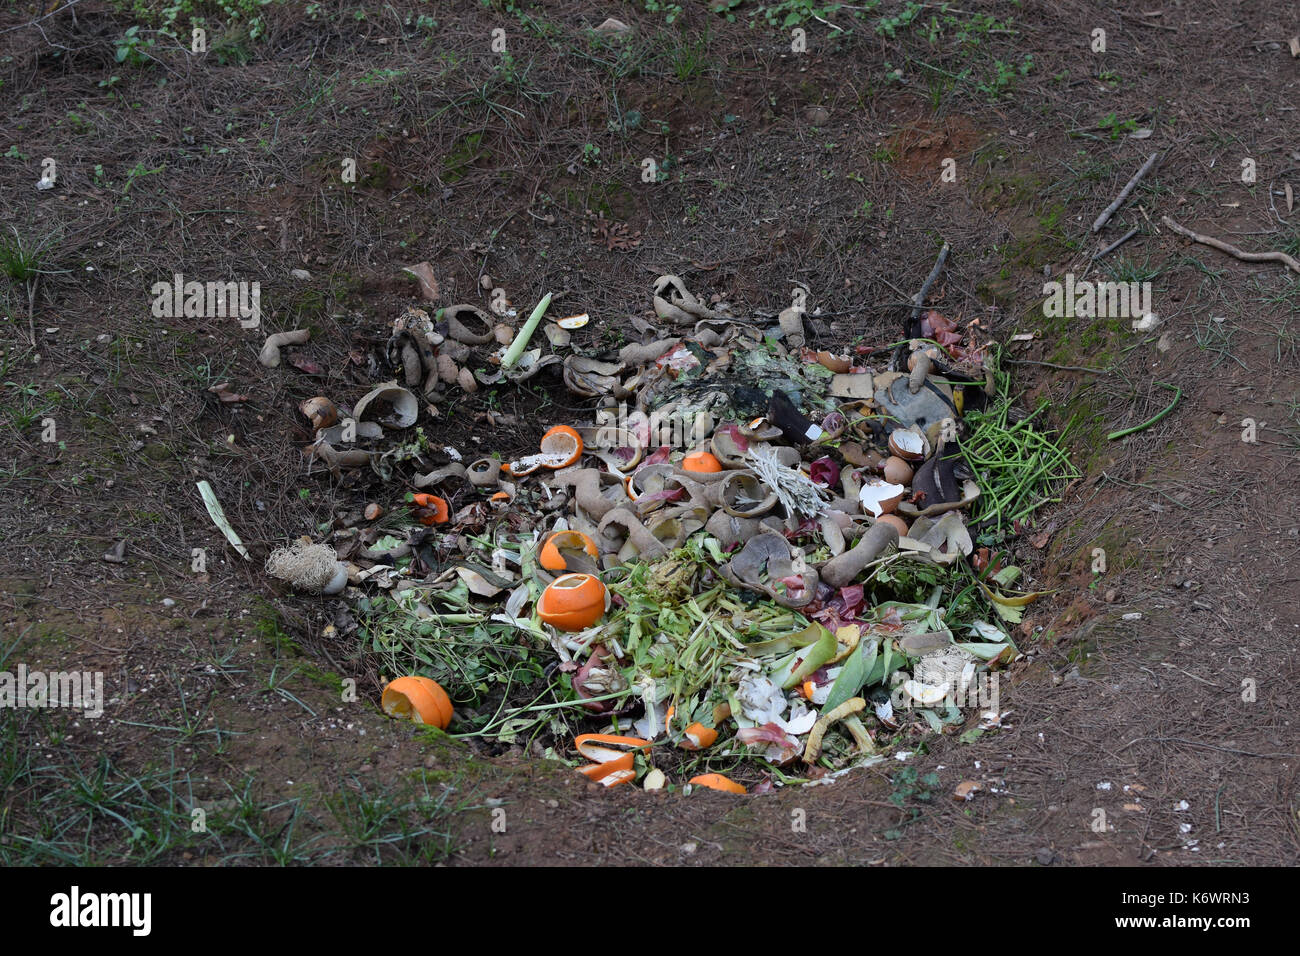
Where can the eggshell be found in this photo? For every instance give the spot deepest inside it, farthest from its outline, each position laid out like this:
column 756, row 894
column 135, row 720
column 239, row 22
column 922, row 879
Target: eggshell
column 897, row 471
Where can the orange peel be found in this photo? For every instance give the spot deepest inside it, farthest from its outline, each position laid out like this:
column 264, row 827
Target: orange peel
column 716, row 781
column 573, row 602
column 418, row 699
column 561, row 446
column 607, row 748
column 553, row 557
column 440, row 512
column 701, row 461
column 613, row 758
column 698, row 737
column 561, row 442
column 612, row 772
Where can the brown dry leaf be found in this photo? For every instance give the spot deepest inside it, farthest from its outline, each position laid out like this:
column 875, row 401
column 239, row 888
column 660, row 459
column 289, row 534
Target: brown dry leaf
column 1134, row 807
column 1290, row 196
column 423, row 273
column 616, row 236
column 496, row 418
column 303, row 364
column 1294, row 43
column 226, row 396
column 477, row 583
column 966, row 790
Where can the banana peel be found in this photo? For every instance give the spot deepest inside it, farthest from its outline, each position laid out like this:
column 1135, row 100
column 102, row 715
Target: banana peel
column 1010, row 607
column 1014, row 600
column 848, row 635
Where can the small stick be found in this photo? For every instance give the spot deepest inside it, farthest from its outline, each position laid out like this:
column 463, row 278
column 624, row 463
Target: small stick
column 1116, row 244
column 1064, row 368
column 1222, row 246
column 1124, row 193
column 918, row 300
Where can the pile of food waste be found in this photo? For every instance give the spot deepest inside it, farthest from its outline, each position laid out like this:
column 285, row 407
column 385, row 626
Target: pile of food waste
column 755, row 564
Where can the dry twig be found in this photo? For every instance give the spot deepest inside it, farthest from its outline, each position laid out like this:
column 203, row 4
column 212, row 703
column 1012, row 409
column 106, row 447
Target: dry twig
column 1124, row 193
column 1273, row 256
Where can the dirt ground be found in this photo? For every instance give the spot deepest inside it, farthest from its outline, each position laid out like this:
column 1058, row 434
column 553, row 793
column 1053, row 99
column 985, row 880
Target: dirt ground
column 1152, row 717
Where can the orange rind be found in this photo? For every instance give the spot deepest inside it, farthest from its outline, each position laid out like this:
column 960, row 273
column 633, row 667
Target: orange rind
column 698, row 737
column 561, row 446
column 564, row 548
column 716, row 781
column 701, row 461
column 573, row 602
column 436, row 508
column 418, row 699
